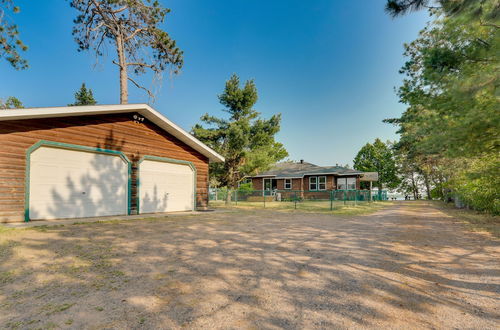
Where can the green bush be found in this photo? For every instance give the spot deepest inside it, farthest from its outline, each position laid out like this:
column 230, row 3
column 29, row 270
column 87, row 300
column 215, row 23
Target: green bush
column 479, row 185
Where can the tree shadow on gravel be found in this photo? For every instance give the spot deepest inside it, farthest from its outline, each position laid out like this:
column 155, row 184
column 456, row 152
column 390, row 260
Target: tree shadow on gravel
column 254, row 269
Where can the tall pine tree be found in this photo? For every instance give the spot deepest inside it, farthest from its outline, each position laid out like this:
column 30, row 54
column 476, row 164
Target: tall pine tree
column 246, row 140
column 133, row 28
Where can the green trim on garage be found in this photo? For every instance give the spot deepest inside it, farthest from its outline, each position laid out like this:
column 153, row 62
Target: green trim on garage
column 164, row 160
column 60, row 145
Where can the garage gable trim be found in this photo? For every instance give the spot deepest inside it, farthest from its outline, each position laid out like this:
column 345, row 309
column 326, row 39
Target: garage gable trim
column 61, row 145
column 165, row 160
column 88, row 110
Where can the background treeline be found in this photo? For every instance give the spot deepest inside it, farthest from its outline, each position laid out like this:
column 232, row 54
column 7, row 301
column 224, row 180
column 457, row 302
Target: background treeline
column 450, row 131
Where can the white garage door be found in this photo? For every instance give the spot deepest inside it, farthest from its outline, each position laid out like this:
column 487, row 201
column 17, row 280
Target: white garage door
column 76, row 184
column 165, row 187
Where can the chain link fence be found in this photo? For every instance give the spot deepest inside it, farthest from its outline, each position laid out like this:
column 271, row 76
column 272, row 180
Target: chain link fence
column 293, row 199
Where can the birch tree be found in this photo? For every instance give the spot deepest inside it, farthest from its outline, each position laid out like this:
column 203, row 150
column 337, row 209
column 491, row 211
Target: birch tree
column 132, row 28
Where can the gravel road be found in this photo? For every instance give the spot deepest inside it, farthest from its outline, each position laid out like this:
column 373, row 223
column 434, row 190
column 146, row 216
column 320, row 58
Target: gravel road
column 406, row 266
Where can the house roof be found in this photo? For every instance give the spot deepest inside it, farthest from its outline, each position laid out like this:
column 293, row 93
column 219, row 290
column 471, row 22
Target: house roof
column 300, row 169
column 143, row 109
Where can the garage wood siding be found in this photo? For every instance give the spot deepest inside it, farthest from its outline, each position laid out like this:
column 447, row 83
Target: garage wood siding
column 114, row 132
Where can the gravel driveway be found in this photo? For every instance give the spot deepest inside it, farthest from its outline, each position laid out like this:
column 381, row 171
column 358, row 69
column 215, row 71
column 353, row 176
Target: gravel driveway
column 407, row 266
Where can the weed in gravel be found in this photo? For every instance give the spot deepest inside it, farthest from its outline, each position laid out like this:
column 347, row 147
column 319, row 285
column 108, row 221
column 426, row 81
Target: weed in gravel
column 5, row 229
column 69, row 322
column 50, row 309
column 50, row 325
column 6, row 277
column 99, row 308
column 15, row 325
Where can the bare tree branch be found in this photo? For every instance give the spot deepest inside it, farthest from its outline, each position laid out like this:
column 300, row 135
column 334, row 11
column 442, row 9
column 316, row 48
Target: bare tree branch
column 151, row 95
column 133, row 34
column 119, row 10
column 140, row 64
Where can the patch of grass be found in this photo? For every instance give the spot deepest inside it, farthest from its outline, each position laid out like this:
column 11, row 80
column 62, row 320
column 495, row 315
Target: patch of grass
column 69, row 322
column 99, row 308
column 6, row 277
column 475, row 221
column 15, row 325
column 5, row 229
column 53, row 309
column 121, row 221
column 362, row 209
column 50, row 325
column 312, row 206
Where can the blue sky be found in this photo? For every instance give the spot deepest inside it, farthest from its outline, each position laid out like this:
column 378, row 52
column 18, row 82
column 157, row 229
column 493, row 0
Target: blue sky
column 329, row 67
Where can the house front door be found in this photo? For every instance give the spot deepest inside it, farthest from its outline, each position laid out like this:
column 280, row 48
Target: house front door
column 269, row 186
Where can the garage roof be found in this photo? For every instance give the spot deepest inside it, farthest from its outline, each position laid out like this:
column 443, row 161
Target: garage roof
column 143, row 109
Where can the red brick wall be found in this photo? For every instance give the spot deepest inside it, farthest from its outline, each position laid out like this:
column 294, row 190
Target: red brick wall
column 301, row 184
column 257, row 183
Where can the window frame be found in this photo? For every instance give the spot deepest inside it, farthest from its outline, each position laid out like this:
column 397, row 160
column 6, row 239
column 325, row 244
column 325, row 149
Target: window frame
column 347, row 183
column 287, row 182
column 338, row 185
column 315, row 183
column 319, row 183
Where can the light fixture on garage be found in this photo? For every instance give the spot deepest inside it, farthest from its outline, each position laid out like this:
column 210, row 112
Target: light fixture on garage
column 138, row 119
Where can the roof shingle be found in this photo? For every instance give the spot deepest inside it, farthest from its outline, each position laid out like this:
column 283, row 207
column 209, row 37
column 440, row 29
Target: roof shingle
column 299, row 169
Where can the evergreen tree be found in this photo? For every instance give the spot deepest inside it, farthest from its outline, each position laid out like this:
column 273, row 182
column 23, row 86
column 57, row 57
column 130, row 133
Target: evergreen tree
column 378, row 157
column 84, row 96
column 132, row 28
column 245, row 140
column 10, row 44
column 449, row 132
column 11, row 103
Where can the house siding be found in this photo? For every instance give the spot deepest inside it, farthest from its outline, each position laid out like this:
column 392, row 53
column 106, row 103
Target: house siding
column 303, row 185
column 114, row 132
column 257, row 183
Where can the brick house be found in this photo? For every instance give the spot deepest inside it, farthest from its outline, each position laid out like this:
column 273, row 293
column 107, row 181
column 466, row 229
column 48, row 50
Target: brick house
column 311, row 180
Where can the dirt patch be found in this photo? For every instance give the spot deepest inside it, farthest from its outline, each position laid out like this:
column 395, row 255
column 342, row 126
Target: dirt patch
column 409, row 265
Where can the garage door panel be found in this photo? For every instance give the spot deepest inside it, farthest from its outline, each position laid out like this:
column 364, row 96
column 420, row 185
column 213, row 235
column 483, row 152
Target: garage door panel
column 69, row 183
column 165, row 187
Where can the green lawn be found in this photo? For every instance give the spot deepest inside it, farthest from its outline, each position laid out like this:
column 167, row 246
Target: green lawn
column 322, row 206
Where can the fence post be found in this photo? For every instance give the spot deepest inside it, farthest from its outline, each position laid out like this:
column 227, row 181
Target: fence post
column 295, row 199
column 264, row 196
column 355, row 197
column 331, row 200
column 236, row 197
column 344, row 197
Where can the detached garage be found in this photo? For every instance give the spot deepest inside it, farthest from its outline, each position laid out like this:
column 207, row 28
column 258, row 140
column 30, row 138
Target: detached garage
column 91, row 161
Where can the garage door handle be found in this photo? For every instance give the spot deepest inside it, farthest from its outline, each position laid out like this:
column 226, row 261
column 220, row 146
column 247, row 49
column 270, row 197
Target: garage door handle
column 83, row 192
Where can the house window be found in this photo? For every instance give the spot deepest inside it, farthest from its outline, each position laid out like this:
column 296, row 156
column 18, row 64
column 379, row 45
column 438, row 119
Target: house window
column 351, row 183
column 313, row 183
column 288, row 183
column 321, row 182
column 346, row 183
column 341, row 183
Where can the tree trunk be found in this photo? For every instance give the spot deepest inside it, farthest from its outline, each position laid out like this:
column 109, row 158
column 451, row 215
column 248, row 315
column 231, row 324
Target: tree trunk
column 123, row 70
column 228, row 197
column 414, row 186
column 427, row 186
